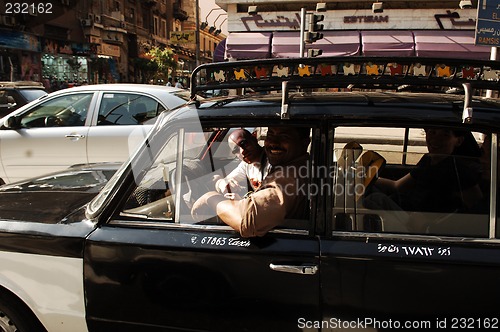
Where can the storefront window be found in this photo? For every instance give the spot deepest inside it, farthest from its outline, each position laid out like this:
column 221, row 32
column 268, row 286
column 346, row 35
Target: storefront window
column 61, row 71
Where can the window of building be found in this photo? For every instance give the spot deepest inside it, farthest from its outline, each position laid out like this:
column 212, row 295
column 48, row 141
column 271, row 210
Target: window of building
column 130, row 15
column 156, row 26
column 163, row 29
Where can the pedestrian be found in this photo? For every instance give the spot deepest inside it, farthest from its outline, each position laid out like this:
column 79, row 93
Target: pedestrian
column 178, row 84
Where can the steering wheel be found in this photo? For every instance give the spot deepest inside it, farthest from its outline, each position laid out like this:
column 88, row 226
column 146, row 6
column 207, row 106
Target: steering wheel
column 194, row 184
column 52, row 121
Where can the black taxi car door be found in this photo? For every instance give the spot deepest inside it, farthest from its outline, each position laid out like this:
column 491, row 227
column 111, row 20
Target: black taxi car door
column 201, row 280
column 380, row 269
column 173, row 273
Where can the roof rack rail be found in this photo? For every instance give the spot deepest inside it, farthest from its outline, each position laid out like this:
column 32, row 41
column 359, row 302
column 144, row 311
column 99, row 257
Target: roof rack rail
column 337, row 72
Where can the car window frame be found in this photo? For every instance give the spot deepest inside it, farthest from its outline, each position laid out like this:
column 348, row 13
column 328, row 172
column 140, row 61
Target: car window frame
column 32, row 107
column 135, row 222
column 100, row 97
column 494, row 221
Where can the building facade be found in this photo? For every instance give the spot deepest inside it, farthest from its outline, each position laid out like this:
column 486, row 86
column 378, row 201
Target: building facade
column 98, row 41
column 380, row 28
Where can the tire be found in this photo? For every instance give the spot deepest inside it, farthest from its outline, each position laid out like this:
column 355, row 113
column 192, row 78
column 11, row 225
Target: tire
column 15, row 316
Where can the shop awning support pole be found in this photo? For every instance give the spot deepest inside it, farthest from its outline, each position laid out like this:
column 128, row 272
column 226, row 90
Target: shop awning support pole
column 493, row 56
column 302, row 31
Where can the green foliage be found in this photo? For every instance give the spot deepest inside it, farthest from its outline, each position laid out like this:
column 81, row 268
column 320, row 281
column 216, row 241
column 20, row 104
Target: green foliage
column 145, row 69
column 164, row 59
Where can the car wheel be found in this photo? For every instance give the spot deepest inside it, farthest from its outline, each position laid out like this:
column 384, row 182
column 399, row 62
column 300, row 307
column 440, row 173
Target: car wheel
column 15, row 317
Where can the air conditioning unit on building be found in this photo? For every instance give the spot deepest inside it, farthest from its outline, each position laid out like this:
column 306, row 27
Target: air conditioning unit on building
column 90, row 16
column 87, row 22
column 123, row 25
column 97, row 18
column 8, row 20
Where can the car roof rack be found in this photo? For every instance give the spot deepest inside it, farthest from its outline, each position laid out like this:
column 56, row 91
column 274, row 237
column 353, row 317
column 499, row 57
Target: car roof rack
column 342, row 72
column 8, row 84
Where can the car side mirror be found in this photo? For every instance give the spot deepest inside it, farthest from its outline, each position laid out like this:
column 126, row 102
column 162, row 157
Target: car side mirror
column 12, row 122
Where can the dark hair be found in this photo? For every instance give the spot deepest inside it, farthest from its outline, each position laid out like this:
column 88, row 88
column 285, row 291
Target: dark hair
column 469, row 147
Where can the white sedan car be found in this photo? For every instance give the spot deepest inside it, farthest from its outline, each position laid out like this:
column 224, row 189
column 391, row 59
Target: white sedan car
column 86, row 124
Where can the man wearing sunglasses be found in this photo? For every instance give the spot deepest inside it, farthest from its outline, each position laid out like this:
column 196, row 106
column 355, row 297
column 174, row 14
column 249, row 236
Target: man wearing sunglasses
column 251, row 171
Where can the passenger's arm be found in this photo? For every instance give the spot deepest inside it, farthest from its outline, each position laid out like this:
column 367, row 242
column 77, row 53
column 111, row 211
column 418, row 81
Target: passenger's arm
column 389, row 186
column 235, row 179
column 212, row 204
column 471, row 196
column 229, row 212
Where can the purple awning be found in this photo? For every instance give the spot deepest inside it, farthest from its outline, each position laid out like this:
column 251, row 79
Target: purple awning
column 387, row 43
column 220, row 51
column 248, row 45
column 446, row 43
column 286, row 44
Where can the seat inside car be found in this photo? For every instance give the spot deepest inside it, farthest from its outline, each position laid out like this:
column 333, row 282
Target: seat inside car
column 139, row 112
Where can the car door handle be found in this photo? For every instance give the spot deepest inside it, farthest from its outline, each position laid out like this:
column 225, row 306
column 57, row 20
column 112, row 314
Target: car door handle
column 75, row 136
column 299, row 269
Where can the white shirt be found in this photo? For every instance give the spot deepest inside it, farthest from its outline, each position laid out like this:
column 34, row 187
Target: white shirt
column 253, row 172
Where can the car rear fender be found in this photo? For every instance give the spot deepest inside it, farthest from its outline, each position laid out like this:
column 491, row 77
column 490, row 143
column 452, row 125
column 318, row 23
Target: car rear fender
column 58, row 303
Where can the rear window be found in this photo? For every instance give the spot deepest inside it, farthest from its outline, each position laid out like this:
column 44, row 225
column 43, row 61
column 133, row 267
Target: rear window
column 32, row 94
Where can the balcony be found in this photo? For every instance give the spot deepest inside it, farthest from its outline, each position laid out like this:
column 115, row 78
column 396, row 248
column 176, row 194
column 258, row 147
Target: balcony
column 149, row 3
column 179, row 13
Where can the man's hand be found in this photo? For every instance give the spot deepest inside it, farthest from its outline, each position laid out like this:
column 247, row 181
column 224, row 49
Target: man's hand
column 204, row 207
column 226, row 186
column 212, row 203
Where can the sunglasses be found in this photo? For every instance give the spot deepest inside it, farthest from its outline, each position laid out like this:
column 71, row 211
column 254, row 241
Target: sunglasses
column 242, row 144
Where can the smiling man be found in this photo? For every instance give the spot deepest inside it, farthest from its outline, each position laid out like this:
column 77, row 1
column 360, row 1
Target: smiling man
column 252, row 169
column 282, row 194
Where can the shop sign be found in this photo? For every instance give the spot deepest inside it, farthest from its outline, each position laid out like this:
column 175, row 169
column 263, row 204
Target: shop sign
column 182, row 37
column 80, row 49
column 19, row 40
column 95, row 40
column 110, row 50
column 360, row 19
column 65, row 49
column 55, row 47
column 488, row 23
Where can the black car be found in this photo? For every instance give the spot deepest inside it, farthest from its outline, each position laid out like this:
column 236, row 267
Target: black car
column 16, row 94
column 134, row 258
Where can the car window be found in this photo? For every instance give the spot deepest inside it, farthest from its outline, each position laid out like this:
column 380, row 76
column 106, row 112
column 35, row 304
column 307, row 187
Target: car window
column 127, row 109
column 63, row 111
column 4, row 99
column 201, row 158
column 394, row 180
column 8, row 99
column 206, row 157
column 32, row 94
